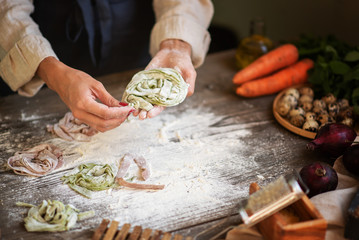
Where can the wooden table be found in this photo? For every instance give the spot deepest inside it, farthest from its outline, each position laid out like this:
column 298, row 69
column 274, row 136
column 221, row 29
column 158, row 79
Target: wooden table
column 269, row 149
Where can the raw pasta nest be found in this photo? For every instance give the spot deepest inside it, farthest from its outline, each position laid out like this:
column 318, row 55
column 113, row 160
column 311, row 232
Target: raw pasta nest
column 52, row 216
column 90, row 177
column 37, row 161
column 161, row 86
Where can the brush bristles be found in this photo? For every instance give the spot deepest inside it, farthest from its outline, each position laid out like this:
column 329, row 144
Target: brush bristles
column 268, row 195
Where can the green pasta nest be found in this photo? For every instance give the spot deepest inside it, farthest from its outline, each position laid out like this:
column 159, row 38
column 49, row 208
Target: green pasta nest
column 161, row 86
column 52, row 216
column 91, row 177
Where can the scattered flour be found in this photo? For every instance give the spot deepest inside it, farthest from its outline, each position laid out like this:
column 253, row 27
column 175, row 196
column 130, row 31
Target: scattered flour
column 26, row 117
column 186, row 155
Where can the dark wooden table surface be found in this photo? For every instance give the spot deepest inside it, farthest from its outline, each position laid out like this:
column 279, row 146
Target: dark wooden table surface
column 265, row 151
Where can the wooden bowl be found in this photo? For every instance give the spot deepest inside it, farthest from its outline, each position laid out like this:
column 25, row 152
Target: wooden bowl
column 284, row 122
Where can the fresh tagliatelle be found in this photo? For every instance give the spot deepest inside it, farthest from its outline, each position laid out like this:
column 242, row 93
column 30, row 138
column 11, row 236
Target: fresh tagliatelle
column 161, row 86
column 37, row 161
column 72, row 129
column 52, row 216
column 144, row 167
column 91, row 177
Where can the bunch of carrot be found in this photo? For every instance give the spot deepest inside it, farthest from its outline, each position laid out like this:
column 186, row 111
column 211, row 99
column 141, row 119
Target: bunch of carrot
column 272, row 72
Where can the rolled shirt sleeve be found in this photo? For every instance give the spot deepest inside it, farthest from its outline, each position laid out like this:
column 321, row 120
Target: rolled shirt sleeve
column 187, row 20
column 22, row 47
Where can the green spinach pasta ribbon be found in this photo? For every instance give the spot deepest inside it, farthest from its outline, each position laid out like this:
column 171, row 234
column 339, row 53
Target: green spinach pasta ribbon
column 52, row 216
column 91, row 177
column 161, row 86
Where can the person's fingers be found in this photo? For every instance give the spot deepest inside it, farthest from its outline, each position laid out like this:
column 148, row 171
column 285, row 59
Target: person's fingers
column 155, row 111
column 104, row 112
column 191, row 82
column 105, row 97
column 136, row 112
column 190, row 90
column 100, row 116
column 189, row 74
column 123, row 104
column 98, row 123
column 142, row 115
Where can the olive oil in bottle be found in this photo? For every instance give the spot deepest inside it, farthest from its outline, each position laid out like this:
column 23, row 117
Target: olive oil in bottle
column 253, row 46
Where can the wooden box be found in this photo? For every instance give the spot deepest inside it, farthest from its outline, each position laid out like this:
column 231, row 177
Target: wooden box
column 301, row 221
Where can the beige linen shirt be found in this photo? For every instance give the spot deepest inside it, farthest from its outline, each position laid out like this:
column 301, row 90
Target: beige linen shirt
column 22, row 46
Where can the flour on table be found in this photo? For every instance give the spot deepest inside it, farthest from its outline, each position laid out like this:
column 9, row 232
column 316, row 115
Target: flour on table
column 25, row 117
column 185, row 153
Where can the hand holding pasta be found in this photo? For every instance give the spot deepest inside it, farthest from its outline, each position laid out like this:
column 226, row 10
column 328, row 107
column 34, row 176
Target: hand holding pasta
column 161, row 87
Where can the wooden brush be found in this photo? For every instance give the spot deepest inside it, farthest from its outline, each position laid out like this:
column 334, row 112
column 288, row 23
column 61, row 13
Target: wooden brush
column 264, row 202
column 108, row 230
column 300, row 221
column 274, row 197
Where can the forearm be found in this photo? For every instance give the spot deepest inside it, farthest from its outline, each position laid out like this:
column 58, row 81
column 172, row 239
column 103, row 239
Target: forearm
column 22, row 47
column 48, row 69
column 184, row 20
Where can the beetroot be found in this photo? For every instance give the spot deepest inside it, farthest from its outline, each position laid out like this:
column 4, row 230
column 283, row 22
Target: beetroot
column 351, row 159
column 319, row 178
column 333, row 139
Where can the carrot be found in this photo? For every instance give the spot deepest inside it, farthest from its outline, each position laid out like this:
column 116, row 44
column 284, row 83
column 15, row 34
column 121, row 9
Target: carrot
column 272, row 61
column 291, row 75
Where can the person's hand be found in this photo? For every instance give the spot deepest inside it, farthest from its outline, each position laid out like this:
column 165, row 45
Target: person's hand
column 80, row 92
column 175, row 54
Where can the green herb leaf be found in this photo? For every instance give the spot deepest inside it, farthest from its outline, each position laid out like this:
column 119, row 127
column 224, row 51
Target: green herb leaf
column 339, row 67
column 330, row 49
column 352, row 56
column 355, row 74
column 355, row 94
column 336, row 68
column 355, row 99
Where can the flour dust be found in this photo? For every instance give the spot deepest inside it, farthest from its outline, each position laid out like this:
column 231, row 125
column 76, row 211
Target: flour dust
column 185, row 153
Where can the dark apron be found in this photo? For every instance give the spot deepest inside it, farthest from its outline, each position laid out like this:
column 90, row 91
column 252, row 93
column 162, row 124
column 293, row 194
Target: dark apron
column 97, row 36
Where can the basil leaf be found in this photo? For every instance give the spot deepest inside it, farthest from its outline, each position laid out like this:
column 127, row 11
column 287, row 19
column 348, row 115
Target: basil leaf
column 336, row 68
column 330, row 49
column 347, row 77
column 339, row 67
column 352, row 56
column 355, row 99
column 355, row 94
column 355, row 74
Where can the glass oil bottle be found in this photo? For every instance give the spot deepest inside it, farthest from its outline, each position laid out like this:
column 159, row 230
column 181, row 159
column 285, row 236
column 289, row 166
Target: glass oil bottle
column 253, row 46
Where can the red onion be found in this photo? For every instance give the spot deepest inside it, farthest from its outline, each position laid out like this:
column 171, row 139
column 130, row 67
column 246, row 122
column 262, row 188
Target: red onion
column 351, row 159
column 333, row 139
column 319, row 178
